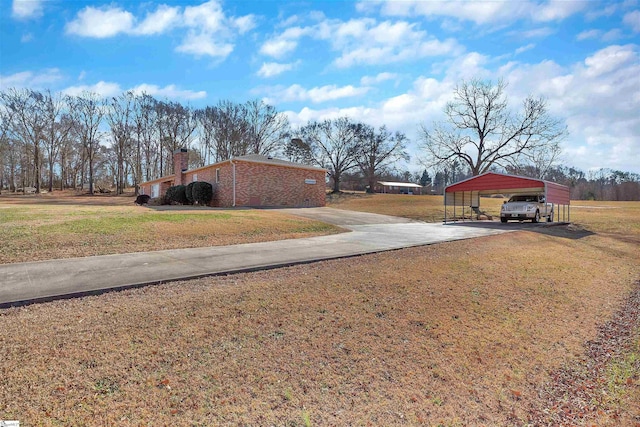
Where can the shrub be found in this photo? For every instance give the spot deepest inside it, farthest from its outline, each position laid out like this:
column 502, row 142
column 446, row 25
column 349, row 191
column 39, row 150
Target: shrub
column 159, row 201
column 177, row 194
column 189, row 193
column 202, row 192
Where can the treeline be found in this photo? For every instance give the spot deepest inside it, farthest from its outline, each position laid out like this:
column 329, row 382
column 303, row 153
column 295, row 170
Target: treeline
column 86, row 142
column 52, row 141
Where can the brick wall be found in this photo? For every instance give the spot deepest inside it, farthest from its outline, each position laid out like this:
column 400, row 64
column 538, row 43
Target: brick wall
column 180, row 164
column 259, row 184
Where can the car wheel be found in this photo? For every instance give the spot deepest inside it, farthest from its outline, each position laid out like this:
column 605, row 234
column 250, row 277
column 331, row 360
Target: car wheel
column 537, row 217
column 503, row 220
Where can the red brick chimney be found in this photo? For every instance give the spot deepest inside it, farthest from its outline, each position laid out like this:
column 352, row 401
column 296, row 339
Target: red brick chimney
column 180, row 164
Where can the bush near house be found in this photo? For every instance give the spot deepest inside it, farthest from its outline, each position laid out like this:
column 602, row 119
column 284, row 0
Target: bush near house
column 189, row 193
column 202, row 192
column 177, row 194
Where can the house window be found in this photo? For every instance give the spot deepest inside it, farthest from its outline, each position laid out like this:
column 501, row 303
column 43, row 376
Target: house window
column 194, row 178
column 217, row 175
column 155, row 190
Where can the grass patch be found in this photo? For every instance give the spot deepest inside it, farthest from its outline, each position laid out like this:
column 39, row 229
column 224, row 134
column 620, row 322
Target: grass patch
column 619, row 218
column 44, row 228
column 423, row 208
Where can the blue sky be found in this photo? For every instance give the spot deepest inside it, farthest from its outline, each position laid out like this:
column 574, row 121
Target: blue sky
column 381, row 62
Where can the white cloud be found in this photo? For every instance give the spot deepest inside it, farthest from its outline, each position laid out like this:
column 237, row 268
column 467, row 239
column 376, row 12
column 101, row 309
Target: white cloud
column 109, row 89
column 278, row 48
column 209, row 31
column 602, row 11
column 588, row 34
column 385, row 43
column 271, row 69
column 26, row 38
column 525, row 48
column 244, row 23
column 169, row 91
column 599, row 98
column 612, row 35
column 159, row 21
column 364, row 41
column 208, row 17
column 609, row 59
column 315, row 95
column 537, row 33
column 101, row 22
column 101, row 88
column 381, row 77
column 494, row 13
column 200, row 44
column 556, row 10
column 284, row 43
column 26, row 9
column 632, row 19
column 30, row 79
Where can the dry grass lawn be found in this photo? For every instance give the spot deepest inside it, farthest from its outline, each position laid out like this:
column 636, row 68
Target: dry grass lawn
column 423, row 208
column 51, row 226
column 465, row 333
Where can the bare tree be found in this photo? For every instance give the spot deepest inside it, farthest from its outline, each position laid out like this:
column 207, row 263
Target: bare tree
column 27, row 123
column 6, row 164
column 120, row 119
column 57, row 126
column 176, row 124
column 268, row 129
column 298, row 151
column 206, row 119
column 377, row 151
column 334, row 145
column 482, row 132
column 88, row 110
column 231, row 130
column 146, row 137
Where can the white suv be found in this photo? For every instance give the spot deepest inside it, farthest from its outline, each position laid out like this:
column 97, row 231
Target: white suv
column 526, row 206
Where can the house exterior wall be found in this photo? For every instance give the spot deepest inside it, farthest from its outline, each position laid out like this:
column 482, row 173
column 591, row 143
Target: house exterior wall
column 260, row 184
column 257, row 184
column 163, row 184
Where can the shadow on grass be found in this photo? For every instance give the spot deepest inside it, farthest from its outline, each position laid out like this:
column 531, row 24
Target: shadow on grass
column 565, row 230
column 162, row 208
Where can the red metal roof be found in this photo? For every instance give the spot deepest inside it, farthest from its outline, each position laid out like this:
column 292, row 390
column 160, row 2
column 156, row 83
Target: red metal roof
column 497, row 183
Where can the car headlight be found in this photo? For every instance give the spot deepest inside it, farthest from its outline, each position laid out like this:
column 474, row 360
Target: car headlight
column 531, row 208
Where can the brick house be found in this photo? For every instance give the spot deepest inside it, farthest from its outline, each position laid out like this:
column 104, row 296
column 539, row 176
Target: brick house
column 251, row 180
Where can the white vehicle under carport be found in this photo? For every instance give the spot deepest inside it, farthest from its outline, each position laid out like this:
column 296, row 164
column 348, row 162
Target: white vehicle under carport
column 522, row 207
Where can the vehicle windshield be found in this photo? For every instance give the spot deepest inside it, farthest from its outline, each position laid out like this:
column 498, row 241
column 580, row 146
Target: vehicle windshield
column 525, row 198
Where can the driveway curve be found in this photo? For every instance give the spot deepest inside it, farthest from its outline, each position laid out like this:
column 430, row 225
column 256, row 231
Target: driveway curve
column 28, row 282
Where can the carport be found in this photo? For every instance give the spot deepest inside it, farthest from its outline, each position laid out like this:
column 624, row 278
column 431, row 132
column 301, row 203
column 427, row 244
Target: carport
column 466, row 194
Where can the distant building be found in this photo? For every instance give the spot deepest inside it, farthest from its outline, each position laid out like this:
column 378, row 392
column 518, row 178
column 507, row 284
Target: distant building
column 398, row 187
column 252, row 180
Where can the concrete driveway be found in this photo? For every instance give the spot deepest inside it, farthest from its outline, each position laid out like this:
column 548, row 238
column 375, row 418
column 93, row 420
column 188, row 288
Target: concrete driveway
column 345, row 218
column 46, row 280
